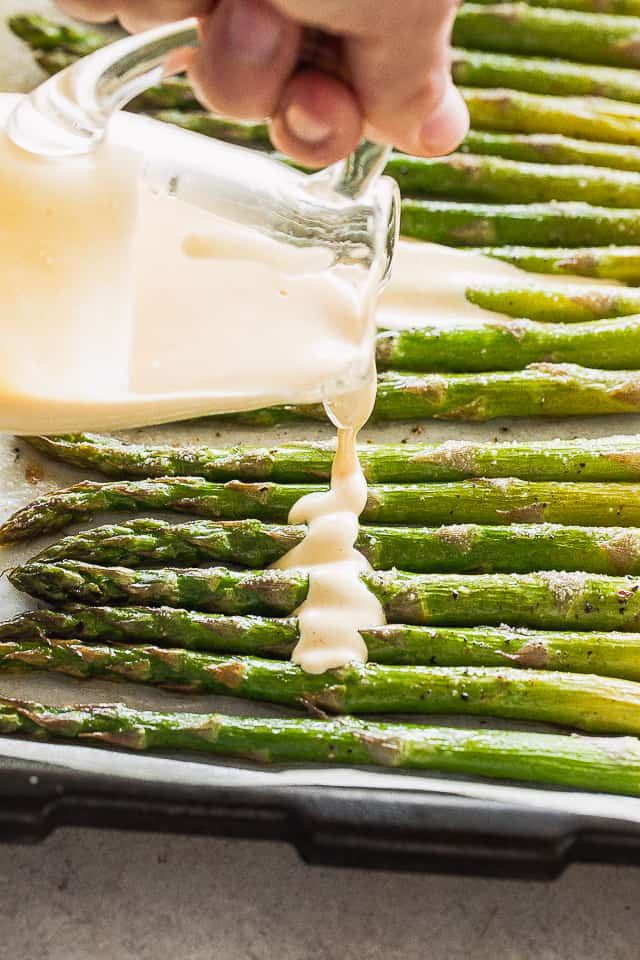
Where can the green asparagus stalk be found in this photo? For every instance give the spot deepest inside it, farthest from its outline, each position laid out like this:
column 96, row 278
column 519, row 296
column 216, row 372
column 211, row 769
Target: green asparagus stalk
column 513, row 111
column 245, row 134
column 463, row 548
column 612, row 654
column 556, row 224
column 587, row 459
column 477, row 68
column 513, row 28
column 484, row 501
column 463, row 176
column 551, row 148
column 611, row 765
column 574, row 35
column 545, row 600
column 541, row 390
column 44, row 34
column 557, row 303
column 548, row 148
column 583, row 701
column 589, row 118
column 608, row 263
column 215, row 589
column 475, row 346
column 52, row 61
column 65, row 44
column 629, row 8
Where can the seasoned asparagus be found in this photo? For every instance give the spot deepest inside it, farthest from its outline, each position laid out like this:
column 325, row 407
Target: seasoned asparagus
column 568, row 304
column 589, row 118
column 587, row 459
column 608, row 263
column 599, row 119
column 541, row 390
column 613, row 654
column 209, row 125
column 58, row 45
column 551, row 148
column 474, row 346
column 574, row 35
column 611, row 765
column 463, row 176
column 515, row 28
column 44, row 34
column 512, row 28
column 481, row 224
column 462, row 548
column 483, row 500
column 561, row 78
column 583, row 701
column 545, row 600
column 624, row 7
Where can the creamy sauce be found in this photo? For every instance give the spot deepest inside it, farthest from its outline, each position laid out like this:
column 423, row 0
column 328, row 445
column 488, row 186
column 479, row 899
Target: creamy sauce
column 338, row 603
column 429, row 281
column 121, row 307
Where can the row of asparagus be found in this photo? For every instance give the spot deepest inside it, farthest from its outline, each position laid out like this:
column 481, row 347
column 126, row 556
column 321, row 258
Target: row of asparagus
column 427, row 663
column 479, row 501
column 540, row 390
column 607, row 764
column 611, row 653
column 592, row 37
column 544, row 600
column 584, row 483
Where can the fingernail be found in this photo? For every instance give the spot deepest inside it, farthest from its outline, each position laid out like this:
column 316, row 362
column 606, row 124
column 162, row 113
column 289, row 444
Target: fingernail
column 443, row 129
column 304, row 126
column 254, row 31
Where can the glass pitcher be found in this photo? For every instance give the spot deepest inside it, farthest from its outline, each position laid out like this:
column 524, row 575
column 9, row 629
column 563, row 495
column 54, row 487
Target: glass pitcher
column 239, row 282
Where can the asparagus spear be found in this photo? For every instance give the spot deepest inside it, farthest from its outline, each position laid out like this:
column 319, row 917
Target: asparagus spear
column 589, row 118
column 498, row 344
column 478, row 224
column 583, row 701
column 608, row 263
column 546, row 600
column 470, row 67
column 462, row 176
column 558, row 303
column 623, row 7
column 521, row 28
column 611, row 765
column 486, row 501
column 44, row 34
column 465, row 548
column 612, row 654
column 587, row 458
column 245, row 134
column 552, row 148
column 514, row 28
column 477, row 68
column 542, row 390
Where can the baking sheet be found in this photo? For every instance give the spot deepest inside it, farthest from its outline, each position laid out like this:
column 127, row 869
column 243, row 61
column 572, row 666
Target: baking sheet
column 24, row 475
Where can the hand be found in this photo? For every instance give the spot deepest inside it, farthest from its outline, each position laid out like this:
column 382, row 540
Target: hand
column 396, row 55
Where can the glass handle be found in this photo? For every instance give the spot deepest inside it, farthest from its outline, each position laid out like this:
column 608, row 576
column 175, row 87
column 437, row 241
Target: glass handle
column 69, row 113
